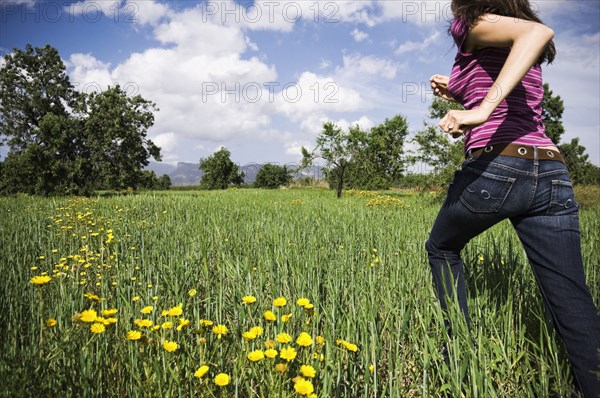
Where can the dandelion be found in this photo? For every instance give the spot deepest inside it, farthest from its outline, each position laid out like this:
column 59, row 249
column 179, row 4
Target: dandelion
column 202, row 370
column 269, row 316
column 270, row 344
column 175, row 311
column 320, row 340
column 192, row 292
column 134, row 335
column 170, row 346
column 271, row 353
column 257, row 330
column 143, row 323
column 220, row 330
column 283, row 338
column 280, row 367
column 183, row 323
column 155, row 298
column 109, row 312
column 308, row 371
column 97, row 328
column 93, row 297
column 280, row 302
column 50, row 322
column 206, row 322
column 288, row 353
column 371, row 368
column 88, row 316
column 167, row 325
column 222, row 379
column 147, row 310
column 249, row 299
column 303, row 302
column 249, row 335
column 303, row 386
column 256, row 355
column 40, row 280
column 304, row 340
column 108, row 321
column 286, row 317
column 136, row 298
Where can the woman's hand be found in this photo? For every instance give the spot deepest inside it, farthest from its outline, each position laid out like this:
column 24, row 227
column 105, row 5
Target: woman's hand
column 439, row 85
column 457, row 122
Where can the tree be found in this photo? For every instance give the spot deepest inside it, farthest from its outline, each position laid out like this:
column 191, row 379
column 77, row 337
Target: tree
column 164, row 182
column 435, row 148
column 337, row 148
column 64, row 142
column 272, row 176
column 552, row 111
column 115, row 130
column 219, row 171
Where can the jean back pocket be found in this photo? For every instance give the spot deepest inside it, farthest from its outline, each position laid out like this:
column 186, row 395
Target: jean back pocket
column 562, row 200
column 484, row 192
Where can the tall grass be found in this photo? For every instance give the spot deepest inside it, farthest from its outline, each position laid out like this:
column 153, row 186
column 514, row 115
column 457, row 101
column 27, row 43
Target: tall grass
column 359, row 260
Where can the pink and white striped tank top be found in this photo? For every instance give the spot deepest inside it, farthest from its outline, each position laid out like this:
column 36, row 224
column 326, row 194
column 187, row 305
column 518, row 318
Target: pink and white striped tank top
column 518, row 119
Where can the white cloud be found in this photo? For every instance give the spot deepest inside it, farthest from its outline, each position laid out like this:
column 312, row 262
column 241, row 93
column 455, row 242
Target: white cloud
column 87, row 74
column 410, row 46
column 92, row 10
column 415, row 12
column 145, row 11
column 325, row 63
column 364, row 123
column 357, row 66
column 359, row 35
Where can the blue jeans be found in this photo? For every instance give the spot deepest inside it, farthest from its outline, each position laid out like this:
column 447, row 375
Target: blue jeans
column 537, row 197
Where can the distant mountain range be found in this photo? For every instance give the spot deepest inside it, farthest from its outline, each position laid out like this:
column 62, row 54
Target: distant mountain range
column 190, row 174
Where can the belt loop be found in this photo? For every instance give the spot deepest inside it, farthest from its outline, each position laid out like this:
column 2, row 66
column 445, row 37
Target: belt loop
column 536, row 155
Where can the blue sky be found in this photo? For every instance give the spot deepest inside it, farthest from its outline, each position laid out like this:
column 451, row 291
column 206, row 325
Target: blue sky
column 261, row 77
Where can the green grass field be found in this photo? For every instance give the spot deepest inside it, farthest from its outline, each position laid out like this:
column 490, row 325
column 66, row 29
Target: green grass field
column 176, row 265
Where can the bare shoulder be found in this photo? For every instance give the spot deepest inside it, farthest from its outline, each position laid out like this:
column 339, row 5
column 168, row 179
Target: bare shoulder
column 492, row 30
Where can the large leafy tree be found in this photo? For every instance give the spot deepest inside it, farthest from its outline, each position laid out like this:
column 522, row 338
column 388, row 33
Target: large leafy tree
column 436, row 149
column 272, row 176
column 219, row 171
column 337, row 148
column 65, row 142
column 115, row 129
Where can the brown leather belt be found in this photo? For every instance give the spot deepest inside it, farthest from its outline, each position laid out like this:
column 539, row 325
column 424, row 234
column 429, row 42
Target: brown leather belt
column 516, row 150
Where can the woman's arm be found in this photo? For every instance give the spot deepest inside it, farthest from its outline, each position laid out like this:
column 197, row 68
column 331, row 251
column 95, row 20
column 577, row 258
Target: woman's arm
column 527, row 41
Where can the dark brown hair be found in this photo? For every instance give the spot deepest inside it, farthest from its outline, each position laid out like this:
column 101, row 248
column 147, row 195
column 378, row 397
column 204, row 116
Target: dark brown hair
column 470, row 10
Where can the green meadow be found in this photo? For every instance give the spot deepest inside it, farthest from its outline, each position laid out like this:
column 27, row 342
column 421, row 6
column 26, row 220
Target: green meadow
column 152, row 295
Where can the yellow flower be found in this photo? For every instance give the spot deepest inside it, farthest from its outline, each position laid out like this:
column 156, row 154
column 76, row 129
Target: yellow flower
column 97, row 328
column 88, row 316
column 170, row 346
column 192, row 292
column 143, row 323
column 303, row 386
column 50, row 322
column 220, row 330
column 175, row 311
column 107, row 321
column 280, row 367
column 249, row 335
column 147, row 310
column 222, row 379
column 183, row 323
column 202, row 370
column 269, row 316
column 249, row 299
column 303, row 302
column 304, row 340
column 286, row 317
column 155, row 328
column 308, row 371
column 371, row 368
column 288, row 353
column 136, row 298
column 279, row 302
column 349, row 346
column 93, row 297
column 283, row 338
column 270, row 344
column 167, row 325
column 109, row 312
column 256, row 355
column 320, row 340
column 257, row 330
column 271, row 353
column 40, row 279
column 206, row 322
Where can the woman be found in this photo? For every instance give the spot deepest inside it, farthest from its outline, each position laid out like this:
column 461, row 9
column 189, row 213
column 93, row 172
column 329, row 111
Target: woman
column 512, row 170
